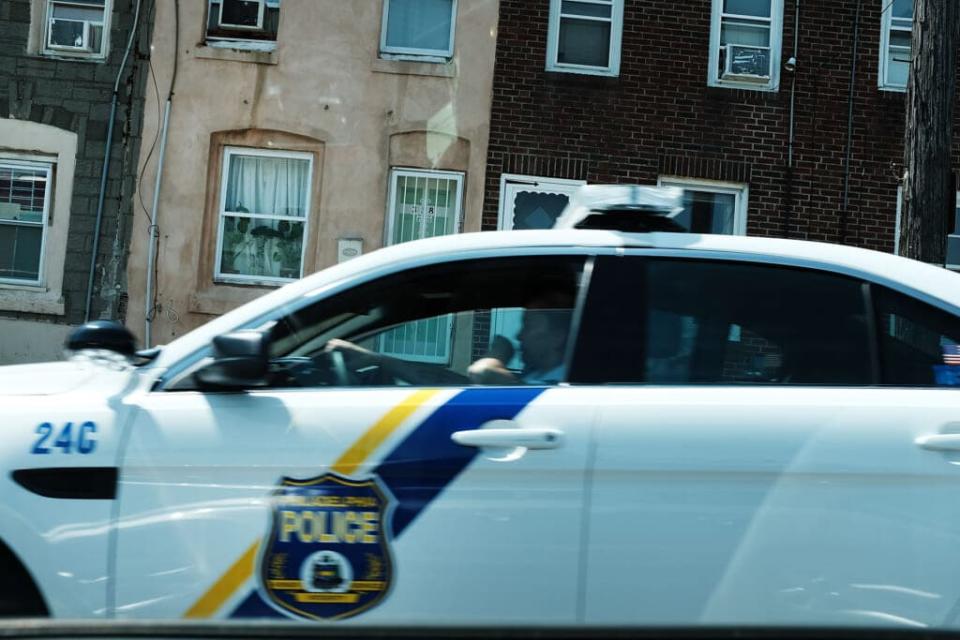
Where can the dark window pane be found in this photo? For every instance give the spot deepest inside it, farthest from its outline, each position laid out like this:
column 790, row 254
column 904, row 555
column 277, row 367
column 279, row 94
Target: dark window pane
column 420, row 24
column 760, row 8
column 585, row 42
column 569, row 7
column 245, row 13
column 705, row 322
column 918, row 342
column 20, row 251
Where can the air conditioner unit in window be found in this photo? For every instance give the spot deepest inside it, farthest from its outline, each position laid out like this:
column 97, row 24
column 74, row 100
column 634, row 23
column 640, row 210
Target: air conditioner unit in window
column 746, row 63
column 241, row 14
column 69, row 35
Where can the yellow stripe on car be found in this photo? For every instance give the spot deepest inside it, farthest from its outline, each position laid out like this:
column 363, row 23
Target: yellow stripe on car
column 351, row 459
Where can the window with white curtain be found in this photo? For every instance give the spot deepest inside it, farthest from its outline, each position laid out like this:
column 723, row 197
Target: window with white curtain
column 264, row 207
column 745, row 40
column 584, row 36
column 896, row 35
column 77, row 28
column 25, row 201
column 421, row 29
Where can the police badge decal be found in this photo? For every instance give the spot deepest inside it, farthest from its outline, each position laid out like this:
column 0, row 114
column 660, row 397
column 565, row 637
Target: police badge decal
column 327, row 555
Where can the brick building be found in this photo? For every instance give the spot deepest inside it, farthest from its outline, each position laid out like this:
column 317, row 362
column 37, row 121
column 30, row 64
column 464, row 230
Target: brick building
column 59, row 62
column 700, row 93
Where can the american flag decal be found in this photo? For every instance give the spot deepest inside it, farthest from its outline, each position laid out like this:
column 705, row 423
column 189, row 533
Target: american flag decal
column 951, row 354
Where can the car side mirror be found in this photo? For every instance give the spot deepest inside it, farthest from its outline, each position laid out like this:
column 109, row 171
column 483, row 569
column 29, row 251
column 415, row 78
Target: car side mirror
column 240, row 361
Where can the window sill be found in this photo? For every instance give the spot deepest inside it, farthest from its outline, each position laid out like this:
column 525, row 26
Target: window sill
column 30, row 300
column 77, row 57
column 583, row 71
column 222, row 297
column 744, row 86
column 892, row 88
column 221, row 52
column 415, row 68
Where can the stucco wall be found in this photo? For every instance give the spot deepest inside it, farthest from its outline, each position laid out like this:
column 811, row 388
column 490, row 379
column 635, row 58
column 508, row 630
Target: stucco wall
column 324, row 83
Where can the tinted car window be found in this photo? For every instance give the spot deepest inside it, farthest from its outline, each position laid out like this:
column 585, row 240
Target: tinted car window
column 918, row 342
column 673, row 321
column 440, row 325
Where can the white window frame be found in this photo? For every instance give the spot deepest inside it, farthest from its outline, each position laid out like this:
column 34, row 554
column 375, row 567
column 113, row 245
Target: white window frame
column 458, row 177
column 539, row 184
column 413, row 53
column 886, row 26
column 239, row 278
column 776, row 42
column 616, row 38
column 58, row 50
column 740, row 192
column 29, row 162
column 397, row 172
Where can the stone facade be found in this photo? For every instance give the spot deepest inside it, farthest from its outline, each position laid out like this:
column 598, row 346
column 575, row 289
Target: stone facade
column 72, row 96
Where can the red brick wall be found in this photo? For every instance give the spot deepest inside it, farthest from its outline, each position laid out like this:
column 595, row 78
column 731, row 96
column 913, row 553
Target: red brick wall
column 660, row 118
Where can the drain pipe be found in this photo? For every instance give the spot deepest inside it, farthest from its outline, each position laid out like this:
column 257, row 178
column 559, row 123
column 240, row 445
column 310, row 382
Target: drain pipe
column 846, row 169
column 149, row 307
column 791, row 66
column 106, row 164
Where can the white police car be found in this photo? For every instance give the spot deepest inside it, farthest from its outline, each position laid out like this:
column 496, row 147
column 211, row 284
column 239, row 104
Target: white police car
column 736, row 430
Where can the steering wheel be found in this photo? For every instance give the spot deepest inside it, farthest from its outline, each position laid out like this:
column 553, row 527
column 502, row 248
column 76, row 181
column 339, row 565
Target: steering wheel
column 338, row 365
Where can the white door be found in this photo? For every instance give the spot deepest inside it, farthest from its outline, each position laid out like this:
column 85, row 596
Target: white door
column 533, row 202
column 340, row 493
column 529, row 202
column 756, row 471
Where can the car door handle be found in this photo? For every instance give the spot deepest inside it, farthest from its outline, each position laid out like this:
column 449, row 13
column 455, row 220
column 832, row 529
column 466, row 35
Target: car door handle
column 509, row 438
column 940, row 442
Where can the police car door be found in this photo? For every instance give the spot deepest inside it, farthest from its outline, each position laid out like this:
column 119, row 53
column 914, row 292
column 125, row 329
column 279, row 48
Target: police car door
column 758, row 471
column 377, row 488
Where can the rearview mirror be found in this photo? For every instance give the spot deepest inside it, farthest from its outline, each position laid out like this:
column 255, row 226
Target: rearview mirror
column 240, row 361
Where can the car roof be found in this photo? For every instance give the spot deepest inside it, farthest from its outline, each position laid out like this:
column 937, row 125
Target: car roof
column 934, row 283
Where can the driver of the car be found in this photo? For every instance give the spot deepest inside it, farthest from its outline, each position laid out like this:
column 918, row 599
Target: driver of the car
column 542, row 339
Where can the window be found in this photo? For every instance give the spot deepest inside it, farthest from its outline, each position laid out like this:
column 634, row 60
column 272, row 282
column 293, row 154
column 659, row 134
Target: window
column 714, row 322
column 423, row 204
column 919, row 344
column 530, row 202
column 711, row 207
column 264, row 205
column 953, row 238
column 896, row 34
column 745, row 44
column 243, row 24
column 373, row 322
column 585, row 36
column 25, row 200
column 420, row 29
column 78, row 28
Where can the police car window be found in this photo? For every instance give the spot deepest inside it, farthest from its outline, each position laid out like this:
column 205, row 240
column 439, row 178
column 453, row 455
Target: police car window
column 672, row 321
column 919, row 344
column 501, row 321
